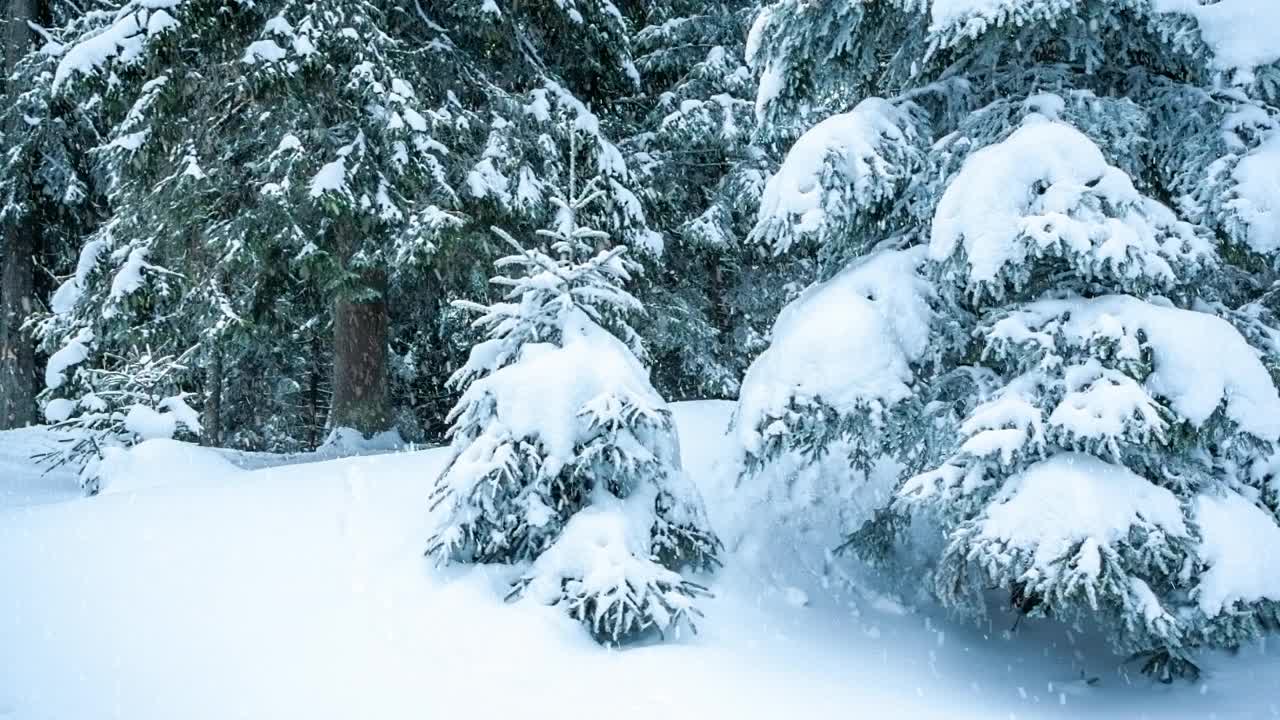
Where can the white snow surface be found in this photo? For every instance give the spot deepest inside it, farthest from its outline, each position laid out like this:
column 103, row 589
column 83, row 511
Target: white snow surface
column 161, row 463
column 1201, row 362
column 849, row 341
column 300, row 591
column 1076, row 498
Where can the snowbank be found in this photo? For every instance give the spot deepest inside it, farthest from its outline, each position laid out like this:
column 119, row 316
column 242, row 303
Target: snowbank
column 301, row 592
column 161, row 463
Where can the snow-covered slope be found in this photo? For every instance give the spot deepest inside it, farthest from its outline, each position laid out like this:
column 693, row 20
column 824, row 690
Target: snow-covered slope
column 300, row 591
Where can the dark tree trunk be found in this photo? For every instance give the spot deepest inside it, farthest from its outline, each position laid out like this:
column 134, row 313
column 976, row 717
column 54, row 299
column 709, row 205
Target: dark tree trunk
column 214, row 379
column 17, row 267
column 17, row 354
column 313, row 396
column 360, row 398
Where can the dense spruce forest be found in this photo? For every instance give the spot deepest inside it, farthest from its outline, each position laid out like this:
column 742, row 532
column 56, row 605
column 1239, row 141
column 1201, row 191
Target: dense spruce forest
column 995, row 283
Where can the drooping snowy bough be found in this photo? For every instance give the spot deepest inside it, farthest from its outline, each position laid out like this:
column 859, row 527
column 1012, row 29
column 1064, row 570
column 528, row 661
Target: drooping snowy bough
column 1075, row 373
column 565, row 459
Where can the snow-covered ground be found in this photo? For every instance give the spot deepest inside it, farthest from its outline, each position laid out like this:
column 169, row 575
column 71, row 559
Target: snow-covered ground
column 198, row 589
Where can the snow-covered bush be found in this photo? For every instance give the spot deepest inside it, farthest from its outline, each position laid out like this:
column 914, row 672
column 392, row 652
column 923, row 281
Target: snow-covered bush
column 564, row 456
column 1076, row 374
column 99, row 410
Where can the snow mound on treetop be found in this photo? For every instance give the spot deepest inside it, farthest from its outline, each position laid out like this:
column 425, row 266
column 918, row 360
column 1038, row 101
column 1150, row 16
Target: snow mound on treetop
column 848, row 342
column 1239, row 542
column 1200, row 362
column 1075, row 498
column 1048, row 187
column 123, row 41
column 541, row 396
column 839, row 166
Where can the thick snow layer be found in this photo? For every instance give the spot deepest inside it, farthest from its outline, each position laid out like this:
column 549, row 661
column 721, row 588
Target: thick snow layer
column 1257, row 192
column 331, row 177
column 1241, row 33
column 128, row 278
column 543, row 394
column 1239, row 545
column 841, row 165
column 123, row 41
column 602, row 547
column 1201, row 362
column 1074, row 498
column 849, row 341
column 1040, row 189
column 74, row 352
column 68, row 294
column 161, row 463
column 301, row 592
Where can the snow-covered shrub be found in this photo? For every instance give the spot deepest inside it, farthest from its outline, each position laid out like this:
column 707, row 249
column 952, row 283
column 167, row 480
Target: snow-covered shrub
column 101, row 410
column 1093, row 393
column 564, row 456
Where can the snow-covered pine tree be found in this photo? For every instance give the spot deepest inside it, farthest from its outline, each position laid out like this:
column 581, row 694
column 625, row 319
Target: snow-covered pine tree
column 279, row 150
column 353, row 150
column 45, row 202
column 1053, row 258
column 565, row 459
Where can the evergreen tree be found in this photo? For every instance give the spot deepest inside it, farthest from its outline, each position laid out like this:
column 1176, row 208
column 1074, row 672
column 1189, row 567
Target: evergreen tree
column 711, row 291
column 45, row 200
column 1072, row 192
column 564, row 456
column 349, row 155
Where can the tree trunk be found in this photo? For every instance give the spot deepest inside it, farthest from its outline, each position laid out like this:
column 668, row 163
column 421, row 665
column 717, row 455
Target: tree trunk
column 17, row 267
column 17, row 355
column 313, row 396
column 17, row 32
column 214, row 375
column 360, row 398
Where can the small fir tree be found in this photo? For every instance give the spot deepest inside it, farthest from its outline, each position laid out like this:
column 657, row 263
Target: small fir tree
column 565, row 459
